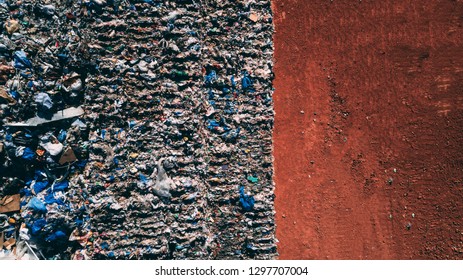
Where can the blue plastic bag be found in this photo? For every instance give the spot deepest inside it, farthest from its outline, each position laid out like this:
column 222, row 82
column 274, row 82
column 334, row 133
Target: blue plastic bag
column 210, row 78
column 25, row 192
column 40, row 186
column 38, row 225
column 143, row 178
column 14, row 94
column 60, row 186
column 232, row 79
column 104, row 245
column 81, row 164
column 212, row 124
column 246, row 81
column 56, row 236
column 37, row 205
column 50, row 199
column 28, row 154
column 247, row 201
column 21, row 61
column 62, row 135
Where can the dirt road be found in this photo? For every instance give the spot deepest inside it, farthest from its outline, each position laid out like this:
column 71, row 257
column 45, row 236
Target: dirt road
column 368, row 131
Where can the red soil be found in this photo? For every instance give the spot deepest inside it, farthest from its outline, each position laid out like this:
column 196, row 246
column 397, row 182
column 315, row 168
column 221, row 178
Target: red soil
column 380, row 84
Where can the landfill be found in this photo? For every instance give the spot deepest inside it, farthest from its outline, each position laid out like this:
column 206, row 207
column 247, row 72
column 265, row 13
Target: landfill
column 136, row 130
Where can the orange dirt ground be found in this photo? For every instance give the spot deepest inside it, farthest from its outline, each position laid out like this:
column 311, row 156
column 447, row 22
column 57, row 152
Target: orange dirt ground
column 369, row 129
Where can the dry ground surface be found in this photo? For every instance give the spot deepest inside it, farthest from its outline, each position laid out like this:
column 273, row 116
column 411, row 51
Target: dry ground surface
column 368, row 129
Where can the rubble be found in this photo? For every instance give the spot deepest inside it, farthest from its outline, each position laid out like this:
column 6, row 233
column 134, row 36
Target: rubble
column 137, row 129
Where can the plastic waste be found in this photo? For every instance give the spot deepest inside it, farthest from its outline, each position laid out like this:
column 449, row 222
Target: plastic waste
column 37, row 205
column 42, row 99
column 247, row 201
column 21, row 61
column 127, row 127
column 163, row 183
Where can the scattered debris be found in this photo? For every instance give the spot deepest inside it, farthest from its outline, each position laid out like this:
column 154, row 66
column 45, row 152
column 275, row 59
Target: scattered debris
column 97, row 95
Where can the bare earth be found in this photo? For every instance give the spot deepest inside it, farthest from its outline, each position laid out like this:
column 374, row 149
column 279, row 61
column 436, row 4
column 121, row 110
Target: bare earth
column 368, row 129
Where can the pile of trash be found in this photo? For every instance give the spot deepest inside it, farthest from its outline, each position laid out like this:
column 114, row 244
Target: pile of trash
column 136, row 129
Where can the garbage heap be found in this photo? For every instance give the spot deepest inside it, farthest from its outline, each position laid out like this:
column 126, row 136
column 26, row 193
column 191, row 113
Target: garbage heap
column 136, row 130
